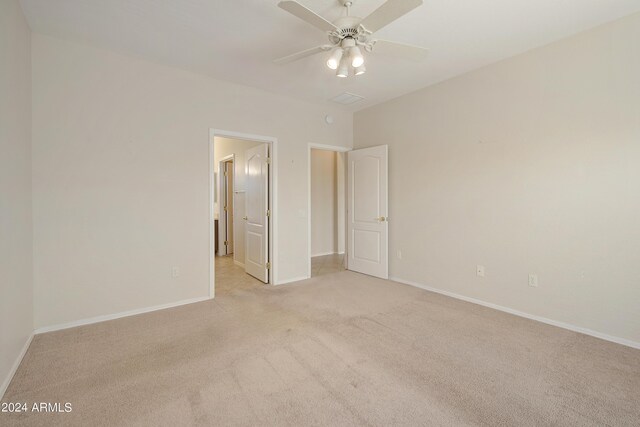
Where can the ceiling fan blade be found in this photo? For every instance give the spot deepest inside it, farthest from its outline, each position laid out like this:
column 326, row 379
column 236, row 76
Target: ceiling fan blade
column 388, row 12
column 301, row 54
column 307, row 15
column 402, row 50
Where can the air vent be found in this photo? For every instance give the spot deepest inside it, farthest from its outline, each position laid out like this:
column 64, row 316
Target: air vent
column 347, row 98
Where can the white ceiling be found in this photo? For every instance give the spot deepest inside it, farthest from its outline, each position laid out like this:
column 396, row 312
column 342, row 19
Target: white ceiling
column 235, row 40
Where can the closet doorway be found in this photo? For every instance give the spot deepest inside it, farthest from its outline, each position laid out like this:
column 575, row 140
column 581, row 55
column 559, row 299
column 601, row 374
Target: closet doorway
column 327, row 208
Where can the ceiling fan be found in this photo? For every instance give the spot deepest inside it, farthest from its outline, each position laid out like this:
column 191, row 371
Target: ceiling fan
column 348, row 34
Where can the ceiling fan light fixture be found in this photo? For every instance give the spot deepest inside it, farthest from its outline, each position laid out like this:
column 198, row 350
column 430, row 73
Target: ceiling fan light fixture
column 343, row 69
column 334, row 60
column 348, row 35
column 356, row 57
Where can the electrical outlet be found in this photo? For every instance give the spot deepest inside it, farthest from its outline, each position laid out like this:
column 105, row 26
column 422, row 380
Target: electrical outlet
column 175, row 272
column 399, row 254
column 480, row 270
column 533, row 280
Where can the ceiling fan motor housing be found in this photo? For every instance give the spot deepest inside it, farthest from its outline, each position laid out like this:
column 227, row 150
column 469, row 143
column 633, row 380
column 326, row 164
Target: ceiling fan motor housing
column 348, row 27
column 348, row 32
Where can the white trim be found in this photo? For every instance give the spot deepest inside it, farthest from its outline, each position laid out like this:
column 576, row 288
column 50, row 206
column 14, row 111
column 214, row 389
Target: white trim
column 273, row 201
column 295, row 279
column 324, row 254
column 563, row 325
column 273, row 192
column 14, row 367
column 238, row 263
column 311, row 146
column 106, row 317
column 337, row 148
column 212, row 223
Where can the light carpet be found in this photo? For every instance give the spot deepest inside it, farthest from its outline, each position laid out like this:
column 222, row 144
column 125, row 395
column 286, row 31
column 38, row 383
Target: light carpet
column 338, row 349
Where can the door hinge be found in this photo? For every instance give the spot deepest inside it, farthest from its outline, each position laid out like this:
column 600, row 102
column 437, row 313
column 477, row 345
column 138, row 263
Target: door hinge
column 225, row 208
column 268, row 265
column 226, row 243
column 226, row 173
column 268, row 213
column 268, row 160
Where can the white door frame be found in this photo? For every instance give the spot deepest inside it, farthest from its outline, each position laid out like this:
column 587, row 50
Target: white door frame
column 273, row 202
column 314, row 146
column 222, row 189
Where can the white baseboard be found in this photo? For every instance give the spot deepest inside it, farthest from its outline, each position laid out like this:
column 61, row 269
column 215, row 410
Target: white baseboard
column 323, row 254
column 106, row 317
column 14, row 368
column 296, row 279
column 238, row 263
column 557, row 323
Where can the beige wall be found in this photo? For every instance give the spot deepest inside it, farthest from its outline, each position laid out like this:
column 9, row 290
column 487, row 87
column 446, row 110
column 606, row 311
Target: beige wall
column 324, row 203
column 225, row 147
column 530, row 165
column 16, row 284
column 121, row 177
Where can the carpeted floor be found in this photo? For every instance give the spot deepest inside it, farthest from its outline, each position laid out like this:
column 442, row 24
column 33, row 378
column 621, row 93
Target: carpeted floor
column 338, row 349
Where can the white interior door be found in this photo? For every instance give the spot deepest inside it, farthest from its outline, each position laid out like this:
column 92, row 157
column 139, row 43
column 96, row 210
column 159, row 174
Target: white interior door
column 256, row 212
column 367, row 221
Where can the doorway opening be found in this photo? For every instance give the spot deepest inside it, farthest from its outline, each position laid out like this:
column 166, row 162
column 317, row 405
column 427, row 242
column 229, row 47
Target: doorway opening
column 225, row 205
column 242, row 236
column 327, row 209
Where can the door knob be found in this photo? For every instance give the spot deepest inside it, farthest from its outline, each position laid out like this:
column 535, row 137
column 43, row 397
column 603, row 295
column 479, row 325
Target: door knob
column 382, row 218
column 245, row 218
